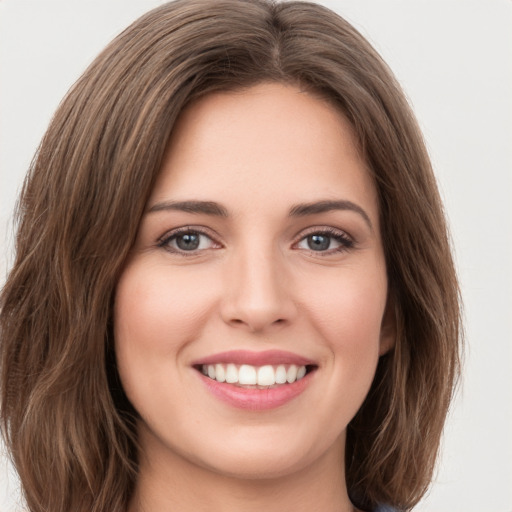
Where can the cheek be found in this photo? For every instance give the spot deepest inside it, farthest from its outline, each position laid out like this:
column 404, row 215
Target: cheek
column 157, row 311
column 351, row 296
column 347, row 311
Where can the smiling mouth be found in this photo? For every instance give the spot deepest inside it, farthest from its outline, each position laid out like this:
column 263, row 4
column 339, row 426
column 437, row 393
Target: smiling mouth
column 255, row 377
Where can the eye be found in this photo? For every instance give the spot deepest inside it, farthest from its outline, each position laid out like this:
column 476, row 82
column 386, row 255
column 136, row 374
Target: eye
column 187, row 240
column 326, row 241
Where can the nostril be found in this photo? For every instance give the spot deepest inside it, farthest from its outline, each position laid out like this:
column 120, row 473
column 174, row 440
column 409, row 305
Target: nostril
column 255, row 323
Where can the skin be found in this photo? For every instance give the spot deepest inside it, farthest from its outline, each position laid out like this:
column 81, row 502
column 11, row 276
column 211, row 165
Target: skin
column 253, row 284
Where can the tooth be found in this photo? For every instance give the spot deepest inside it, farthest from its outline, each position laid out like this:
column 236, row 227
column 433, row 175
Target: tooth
column 220, row 374
column 280, row 374
column 231, row 374
column 291, row 374
column 266, row 376
column 247, row 374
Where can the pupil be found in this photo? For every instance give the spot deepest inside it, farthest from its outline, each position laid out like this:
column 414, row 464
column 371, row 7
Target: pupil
column 188, row 241
column 318, row 242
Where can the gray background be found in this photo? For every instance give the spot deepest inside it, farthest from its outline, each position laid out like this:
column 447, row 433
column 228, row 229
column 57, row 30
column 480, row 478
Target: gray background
column 454, row 59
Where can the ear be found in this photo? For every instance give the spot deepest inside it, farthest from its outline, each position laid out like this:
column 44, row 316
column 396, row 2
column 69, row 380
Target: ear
column 388, row 327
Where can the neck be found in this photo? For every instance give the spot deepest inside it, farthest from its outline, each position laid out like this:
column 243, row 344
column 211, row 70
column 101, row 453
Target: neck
column 168, row 481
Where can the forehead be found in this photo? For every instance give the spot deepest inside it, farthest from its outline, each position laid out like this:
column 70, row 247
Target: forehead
column 268, row 141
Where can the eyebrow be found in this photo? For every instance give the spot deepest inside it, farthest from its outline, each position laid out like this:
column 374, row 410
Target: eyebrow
column 206, row 207
column 304, row 209
column 298, row 210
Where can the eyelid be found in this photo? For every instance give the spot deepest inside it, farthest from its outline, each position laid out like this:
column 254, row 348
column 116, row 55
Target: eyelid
column 201, row 230
column 346, row 240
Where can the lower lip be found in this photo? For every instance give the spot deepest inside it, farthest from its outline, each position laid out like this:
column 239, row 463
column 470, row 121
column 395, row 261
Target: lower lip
column 256, row 399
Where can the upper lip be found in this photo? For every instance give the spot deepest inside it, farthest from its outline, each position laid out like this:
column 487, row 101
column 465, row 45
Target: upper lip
column 266, row 357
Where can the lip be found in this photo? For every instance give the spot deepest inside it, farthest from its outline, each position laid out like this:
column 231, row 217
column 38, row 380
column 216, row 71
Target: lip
column 255, row 399
column 272, row 357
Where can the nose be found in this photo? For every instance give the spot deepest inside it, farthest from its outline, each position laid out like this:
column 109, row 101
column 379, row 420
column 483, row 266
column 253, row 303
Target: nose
column 258, row 293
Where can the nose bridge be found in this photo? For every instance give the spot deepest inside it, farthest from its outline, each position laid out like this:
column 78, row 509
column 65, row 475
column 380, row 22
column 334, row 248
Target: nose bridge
column 258, row 294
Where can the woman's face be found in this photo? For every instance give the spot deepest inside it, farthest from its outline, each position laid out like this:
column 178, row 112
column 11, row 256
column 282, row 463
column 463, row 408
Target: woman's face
column 258, row 258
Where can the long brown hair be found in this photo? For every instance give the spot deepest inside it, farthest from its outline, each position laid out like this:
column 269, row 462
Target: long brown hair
column 66, row 421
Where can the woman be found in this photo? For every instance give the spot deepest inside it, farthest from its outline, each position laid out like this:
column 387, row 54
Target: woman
column 233, row 286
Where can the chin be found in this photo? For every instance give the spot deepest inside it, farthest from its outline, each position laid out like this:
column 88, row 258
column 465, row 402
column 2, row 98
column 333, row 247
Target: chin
column 259, row 466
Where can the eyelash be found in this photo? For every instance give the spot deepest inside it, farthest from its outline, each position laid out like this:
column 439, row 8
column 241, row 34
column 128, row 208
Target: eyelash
column 165, row 240
column 346, row 243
